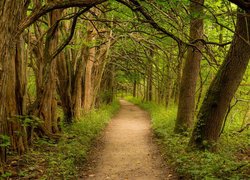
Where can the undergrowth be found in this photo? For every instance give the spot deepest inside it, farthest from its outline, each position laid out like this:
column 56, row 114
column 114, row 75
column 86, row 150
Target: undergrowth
column 73, row 147
column 63, row 159
column 230, row 162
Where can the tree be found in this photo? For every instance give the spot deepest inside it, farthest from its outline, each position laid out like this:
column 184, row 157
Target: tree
column 46, row 109
column 88, row 86
column 223, row 87
column 191, row 70
column 13, row 22
column 11, row 86
column 70, row 69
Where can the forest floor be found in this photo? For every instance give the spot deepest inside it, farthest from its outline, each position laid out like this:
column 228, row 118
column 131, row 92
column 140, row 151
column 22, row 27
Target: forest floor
column 127, row 149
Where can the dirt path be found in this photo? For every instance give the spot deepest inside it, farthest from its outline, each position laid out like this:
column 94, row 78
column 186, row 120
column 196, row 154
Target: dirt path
column 126, row 150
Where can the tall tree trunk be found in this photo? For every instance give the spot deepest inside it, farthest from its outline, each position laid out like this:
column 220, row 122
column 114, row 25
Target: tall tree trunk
column 167, row 83
column 77, row 91
column 12, row 74
column 149, row 94
column 107, row 85
column 102, row 60
column 186, row 105
column 46, row 98
column 223, row 87
column 168, row 87
column 88, row 87
column 134, row 88
column 70, row 70
column 54, row 16
column 176, row 89
column 150, row 82
column 65, row 85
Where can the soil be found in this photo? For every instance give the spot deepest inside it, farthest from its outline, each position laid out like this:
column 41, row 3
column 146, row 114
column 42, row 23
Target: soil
column 127, row 150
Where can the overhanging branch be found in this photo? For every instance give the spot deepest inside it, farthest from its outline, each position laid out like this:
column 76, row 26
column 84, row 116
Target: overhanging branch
column 137, row 7
column 66, row 42
column 243, row 4
column 40, row 11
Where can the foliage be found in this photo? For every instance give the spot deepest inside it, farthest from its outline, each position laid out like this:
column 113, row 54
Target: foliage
column 230, row 162
column 4, row 140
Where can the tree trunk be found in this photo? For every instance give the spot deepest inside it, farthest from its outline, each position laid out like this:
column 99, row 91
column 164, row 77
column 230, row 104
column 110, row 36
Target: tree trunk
column 134, row 88
column 149, row 94
column 168, row 90
column 77, row 92
column 191, row 70
column 223, row 87
column 101, row 62
column 70, row 71
column 12, row 76
column 107, row 85
column 88, row 87
column 150, row 82
column 46, row 97
column 65, row 85
column 176, row 89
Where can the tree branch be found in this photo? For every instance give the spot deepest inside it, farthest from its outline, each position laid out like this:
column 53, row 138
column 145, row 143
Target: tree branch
column 243, row 4
column 72, row 31
column 151, row 21
column 40, row 11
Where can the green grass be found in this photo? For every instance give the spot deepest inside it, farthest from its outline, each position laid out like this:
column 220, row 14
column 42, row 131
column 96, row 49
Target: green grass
column 230, row 162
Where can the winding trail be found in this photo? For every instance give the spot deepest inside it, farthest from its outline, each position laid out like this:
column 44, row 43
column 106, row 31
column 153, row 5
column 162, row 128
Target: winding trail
column 127, row 151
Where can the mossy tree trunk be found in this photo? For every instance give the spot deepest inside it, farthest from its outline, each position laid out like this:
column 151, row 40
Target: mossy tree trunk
column 223, row 87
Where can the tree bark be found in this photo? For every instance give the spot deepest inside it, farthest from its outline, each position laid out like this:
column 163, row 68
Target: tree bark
column 149, row 95
column 168, row 90
column 176, row 89
column 102, row 60
column 134, row 88
column 223, row 87
column 78, row 84
column 65, row 86
column 46, row 102
column 191, row 70
column 107, row 84
column 12, row 76
column 88, row 87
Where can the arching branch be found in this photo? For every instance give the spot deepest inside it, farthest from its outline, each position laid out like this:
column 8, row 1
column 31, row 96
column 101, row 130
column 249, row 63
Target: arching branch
column 135, row 6
column 40, row 11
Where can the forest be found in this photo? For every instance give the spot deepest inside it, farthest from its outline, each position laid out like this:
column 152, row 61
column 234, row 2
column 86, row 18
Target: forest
column 68, row 67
